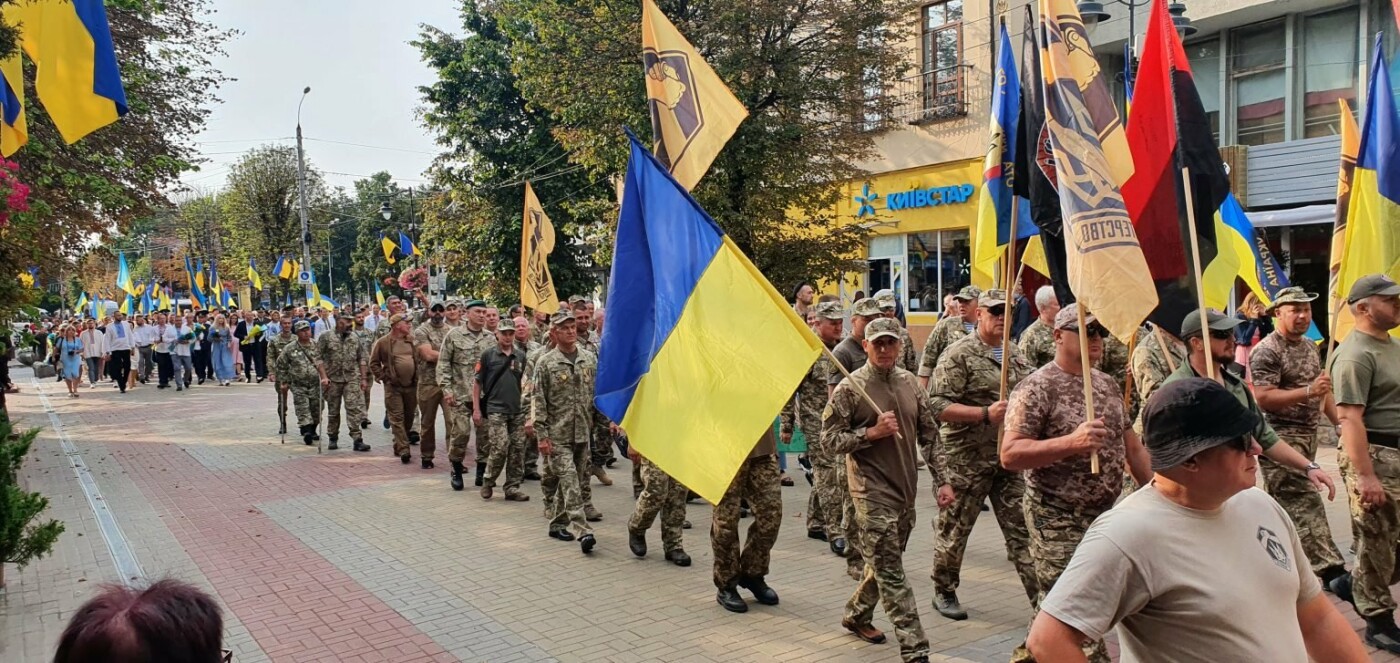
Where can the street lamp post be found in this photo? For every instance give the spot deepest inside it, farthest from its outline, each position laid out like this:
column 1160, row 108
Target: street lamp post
column 1093, row 12
column 301, row 192
column 330, row 257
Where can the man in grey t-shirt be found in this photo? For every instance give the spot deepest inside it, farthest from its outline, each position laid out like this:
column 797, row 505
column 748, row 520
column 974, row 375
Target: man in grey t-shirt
column 1199, row 564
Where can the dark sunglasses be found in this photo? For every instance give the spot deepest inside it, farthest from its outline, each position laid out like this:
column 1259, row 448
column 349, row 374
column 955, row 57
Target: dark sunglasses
column 997, row 311
column 1092, row 331
column 1221, row 334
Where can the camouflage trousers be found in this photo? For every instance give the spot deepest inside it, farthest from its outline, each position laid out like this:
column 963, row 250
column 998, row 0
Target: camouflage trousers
column 282, row 396
column 459, row 433
column 307, row 399
column 429, row 401
column 884, row 532
column 509, row 452
column 549, row 490
column 602, row 450
column 1302, row 502
column 955, row 525
column 1054, row 534
column 400, row 402
column 532, row 454
column 663, row 495
column 349, row 394
column 565, row 472
column 757, row 483
column 1377, row 535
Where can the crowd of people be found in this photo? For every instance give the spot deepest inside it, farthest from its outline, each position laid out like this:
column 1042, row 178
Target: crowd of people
column 1175, row 427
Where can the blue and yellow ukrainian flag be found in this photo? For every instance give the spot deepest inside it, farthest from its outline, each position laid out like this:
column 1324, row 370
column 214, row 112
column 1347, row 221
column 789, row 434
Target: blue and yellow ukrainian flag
column 379, row 295
column 124, row 275
column 994, row 205
column 702, row 352
column 253, row 278
column 407, row 247
column 1373, row 215
column 197, row 299
column 14, row 129
column 165, row 300
column 283, row 270
column 83, row 302
column 78, row 79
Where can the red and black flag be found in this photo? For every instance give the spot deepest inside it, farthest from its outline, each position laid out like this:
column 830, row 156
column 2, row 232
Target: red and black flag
column 1168, row 135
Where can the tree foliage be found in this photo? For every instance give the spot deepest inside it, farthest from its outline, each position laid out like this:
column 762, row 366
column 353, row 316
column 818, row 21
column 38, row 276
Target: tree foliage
column 495, row 142
column 802, row 68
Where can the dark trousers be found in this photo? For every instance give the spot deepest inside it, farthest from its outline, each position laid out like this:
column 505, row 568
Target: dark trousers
column 260, row 356
column 203, row 365
column 164, row 368
column 120, row 364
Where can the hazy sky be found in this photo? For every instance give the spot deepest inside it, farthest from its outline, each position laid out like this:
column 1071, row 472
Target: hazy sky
column 363, row 75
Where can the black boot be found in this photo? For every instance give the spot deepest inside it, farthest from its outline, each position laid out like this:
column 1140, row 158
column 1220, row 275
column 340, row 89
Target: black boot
column 361, row 446
column 282, row 430
column 307, row 436
column 729, row 599
column 637, row 542
column 586, row 543
column 333, row 440
column 480, row 473
column 457, row 470
column 678, row 557
column 1382, row 633
column 761, row 591
column 947, row 604
column 412, row 437
column 838, row 546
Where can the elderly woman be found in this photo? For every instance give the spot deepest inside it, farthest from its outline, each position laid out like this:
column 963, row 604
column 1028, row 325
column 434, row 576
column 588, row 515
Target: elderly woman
column 223, row 349
column 70, row 355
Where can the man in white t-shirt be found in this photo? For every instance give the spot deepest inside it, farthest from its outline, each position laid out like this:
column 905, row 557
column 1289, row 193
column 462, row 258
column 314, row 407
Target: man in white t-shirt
column 1199, row 564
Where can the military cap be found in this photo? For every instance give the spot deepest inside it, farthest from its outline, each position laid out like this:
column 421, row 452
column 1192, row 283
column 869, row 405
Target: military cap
column 577, row 298
column 830, row 311
column 885, row 299
column 865, row 306
column 300, row 325
column 473, row 303
column 437, row 306
column 1291, row 295
column 399, row 317
column 560, row 317
column 993, row 297
column 1191, row 325
column 1185, row 417
column 882, row 327
column 506, row 324
column 1372, row 285
column 454, row 303
column 968, row 293
column 1068, row 317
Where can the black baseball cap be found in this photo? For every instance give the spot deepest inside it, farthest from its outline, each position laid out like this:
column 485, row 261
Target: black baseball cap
column 1185, row 417
column 1372, row 285
column 1191, row 324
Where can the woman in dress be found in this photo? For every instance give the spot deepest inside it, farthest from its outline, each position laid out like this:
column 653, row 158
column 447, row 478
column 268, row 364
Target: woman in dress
column 70, row 354
column 222, row 350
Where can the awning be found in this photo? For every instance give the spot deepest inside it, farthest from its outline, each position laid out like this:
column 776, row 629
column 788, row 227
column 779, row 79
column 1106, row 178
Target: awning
column 1295, row 216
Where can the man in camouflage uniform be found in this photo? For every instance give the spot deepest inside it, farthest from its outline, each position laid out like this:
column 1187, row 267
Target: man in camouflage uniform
column 908, row 357
column 563, row 418
column 850, row 354
column 1158, row 353
column 1048, row 436
column 297, row 365
column 879, row 447
column 825, row 503
column 661, row 494
column 1038, row 340
column 539, row 327
column 366, row 343
column 966, row 395
column 1366, row 381
column 427, row 342
column 496, row 400
column 949, row 329
column 274, row 350
column 529, row 404
column 1292, row 390
column 757, row 483
column 391, row 359
column 524, row 345
column 601, row 452
column 456, row 373
column 347, row 367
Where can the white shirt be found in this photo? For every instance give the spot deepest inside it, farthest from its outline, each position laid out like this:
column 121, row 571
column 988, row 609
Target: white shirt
column 145, row 335
column 94, row 343
column 163, row 339
column 122, row 341
column 322, row 325
column 371, row 322
column 183, row 347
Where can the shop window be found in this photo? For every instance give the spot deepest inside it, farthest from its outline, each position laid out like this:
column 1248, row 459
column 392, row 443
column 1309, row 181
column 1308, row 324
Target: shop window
column 1259, row 53
column 939, row 265
column 1329, row 61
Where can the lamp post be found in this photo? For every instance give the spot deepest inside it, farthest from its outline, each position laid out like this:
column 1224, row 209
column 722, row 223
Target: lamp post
column 301, row 192
column 1093, row 12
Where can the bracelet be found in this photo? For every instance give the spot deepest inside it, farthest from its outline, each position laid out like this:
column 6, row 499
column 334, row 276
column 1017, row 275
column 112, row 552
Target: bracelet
column 986, row 416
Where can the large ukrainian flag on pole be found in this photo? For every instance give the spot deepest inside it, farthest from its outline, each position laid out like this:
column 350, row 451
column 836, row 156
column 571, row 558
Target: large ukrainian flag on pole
column 998, row 170
column 702, row 352
column 1373, row 213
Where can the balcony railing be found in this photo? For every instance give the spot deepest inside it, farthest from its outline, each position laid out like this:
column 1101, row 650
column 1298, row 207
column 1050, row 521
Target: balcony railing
column 932, row 96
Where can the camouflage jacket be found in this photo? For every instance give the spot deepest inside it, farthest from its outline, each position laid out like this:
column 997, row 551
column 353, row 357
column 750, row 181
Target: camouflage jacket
column 908, row 356
column 563, row 397
column 944, row 334
column 275, row 345
column 456, row 367
column 1283, row 364
column 803, row 410
column 969, row 374
column 1049, row 404
column 1115, row 361
column 882, row 470
column 433, row 336
column 296, row 364
column 1038, row 343
column 344, row 358
column 1150, row 366
column 527, row 385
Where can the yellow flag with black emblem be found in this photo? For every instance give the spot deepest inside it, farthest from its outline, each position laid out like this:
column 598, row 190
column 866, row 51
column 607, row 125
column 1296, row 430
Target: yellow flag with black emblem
column 693, row 113
column 536, row 243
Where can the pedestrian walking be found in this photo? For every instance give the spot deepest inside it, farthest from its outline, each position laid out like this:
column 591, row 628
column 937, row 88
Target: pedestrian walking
column 1037, row 342
column 164, row 344
column 275, row 347
column 94, row 347
column 305, row 377
column 461, row 348
column 70, row 352
column 222, row 347
column 826, row 502
column 427, row 342
column 951, row 327
column 496, row 403
column 346, row 368
column 118, row 339
column 757, row 484
column 664, row 496
column 563, row 420
column 392, row 362
column 183, row 353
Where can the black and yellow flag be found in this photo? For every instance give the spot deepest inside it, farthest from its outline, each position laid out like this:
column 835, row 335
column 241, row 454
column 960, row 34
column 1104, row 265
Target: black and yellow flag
column 536, row 242
column 693, row 113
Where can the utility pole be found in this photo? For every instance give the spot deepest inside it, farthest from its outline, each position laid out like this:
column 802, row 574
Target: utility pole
column 301, row 193
column 330, row 266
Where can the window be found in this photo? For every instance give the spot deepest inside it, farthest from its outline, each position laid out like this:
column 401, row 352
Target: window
column 1329, row 70
column 939, row 264
column 941, row 71
column 1205, row 69
column 1257, row 69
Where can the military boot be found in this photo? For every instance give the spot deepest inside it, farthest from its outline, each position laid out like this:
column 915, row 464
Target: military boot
column 729, row 599
column 307, row 436
column 457, row 470
column 333, row 440
column 480, row 473
column 637, row 542
column 947, row 604
column 1382, row 633
column 361, row 446
column 761, row 591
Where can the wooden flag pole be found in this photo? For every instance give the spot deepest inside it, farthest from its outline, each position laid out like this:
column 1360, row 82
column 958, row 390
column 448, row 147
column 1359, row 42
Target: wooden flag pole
column 1008, row 285
column 1196, row 270
column 859, row 390
column 1088, row 382
column 1128, row 379
column 1332, row 329
column 1162, row 341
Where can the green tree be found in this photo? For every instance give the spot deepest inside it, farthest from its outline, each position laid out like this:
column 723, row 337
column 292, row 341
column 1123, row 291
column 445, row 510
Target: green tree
column 22, row 540
column 495, row 142
column 261, row 215
column 802, row 68
column 368, row 265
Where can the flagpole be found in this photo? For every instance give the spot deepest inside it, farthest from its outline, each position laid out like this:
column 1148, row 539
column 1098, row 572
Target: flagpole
column 1009, row 285
column 855, row 385
column 1088, row 375
column 1196, row 269
column 1128, row 379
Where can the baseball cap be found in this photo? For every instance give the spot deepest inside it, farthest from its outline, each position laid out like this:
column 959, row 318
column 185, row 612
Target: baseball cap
column 473, row 303
column 1068, row 317
column 506, row 324
column 968, row 293
column 1185, row 417
column 881, row 327
column 865, row 306
column 830, row 311
column 560, row 317
column 454, row 303
column 399, row 317
column 993, row 297
column 300, row 325
column 437, row 306
column 885, row 299
column 1291, row 295
column 1372, row 285
column 1191, row 326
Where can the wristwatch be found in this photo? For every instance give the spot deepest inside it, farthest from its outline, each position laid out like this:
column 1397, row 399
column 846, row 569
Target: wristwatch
column 1311, row 467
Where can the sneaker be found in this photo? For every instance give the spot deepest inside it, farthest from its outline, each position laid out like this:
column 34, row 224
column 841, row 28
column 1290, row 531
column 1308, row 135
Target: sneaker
column 946, row 603
column 591, row 514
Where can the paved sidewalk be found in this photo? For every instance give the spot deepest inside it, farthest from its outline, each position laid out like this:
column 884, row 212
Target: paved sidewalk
column 355, row 557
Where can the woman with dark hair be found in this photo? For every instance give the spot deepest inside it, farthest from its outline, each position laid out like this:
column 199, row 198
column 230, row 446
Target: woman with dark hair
column 170, row 622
